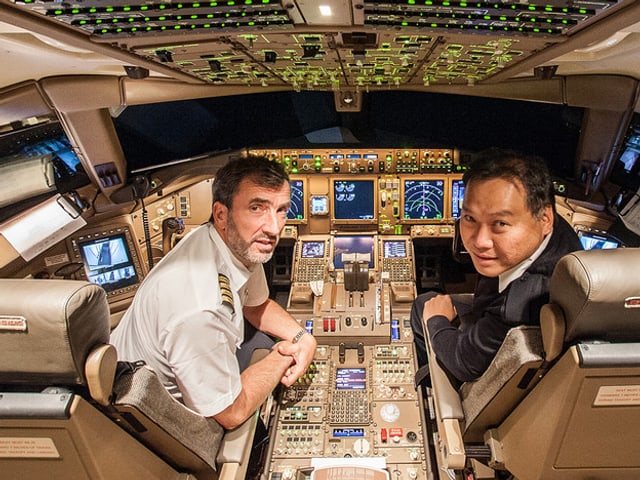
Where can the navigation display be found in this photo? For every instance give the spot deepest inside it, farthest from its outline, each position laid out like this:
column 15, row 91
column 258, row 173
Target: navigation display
column 457, row 196
column 296, row 211
column 423, row 199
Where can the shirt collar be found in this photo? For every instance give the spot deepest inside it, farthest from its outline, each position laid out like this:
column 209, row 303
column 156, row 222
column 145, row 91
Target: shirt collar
column 505, row 278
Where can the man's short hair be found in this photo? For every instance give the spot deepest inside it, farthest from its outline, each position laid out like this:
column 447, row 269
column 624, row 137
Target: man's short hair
column 258, row 169
column 530, row 170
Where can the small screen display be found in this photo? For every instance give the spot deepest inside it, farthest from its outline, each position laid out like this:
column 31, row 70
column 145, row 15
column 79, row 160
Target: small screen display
column 350, row 244
column 108, row 262
column 296, row 211
column 626, row 170
column 319, row 205
column 312, row 249
column 423, row 199
column 592, row 241
column 395, row 249
column 348, row 432
column 351, row 379
column 457, row 196
column 353, row 200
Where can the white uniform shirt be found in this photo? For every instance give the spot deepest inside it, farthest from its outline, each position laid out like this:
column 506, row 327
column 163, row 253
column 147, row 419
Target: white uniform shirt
column 183, row 328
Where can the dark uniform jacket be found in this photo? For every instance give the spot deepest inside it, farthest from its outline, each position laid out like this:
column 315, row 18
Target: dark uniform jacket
column 466, row 351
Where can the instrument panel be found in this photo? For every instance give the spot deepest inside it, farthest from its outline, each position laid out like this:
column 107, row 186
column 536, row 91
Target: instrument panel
column 413, row 191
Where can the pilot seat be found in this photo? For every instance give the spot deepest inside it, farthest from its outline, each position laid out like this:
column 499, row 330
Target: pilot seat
column 560, row 401
column 69, row 410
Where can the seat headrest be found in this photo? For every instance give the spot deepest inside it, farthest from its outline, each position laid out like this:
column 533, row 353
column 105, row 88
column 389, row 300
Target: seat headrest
column 599, row 293
column 47, row 329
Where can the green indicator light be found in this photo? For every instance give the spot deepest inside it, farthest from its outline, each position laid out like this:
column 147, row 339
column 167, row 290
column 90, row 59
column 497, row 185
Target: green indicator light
column 126, row 9
column 177, row 27
column 532, row 7
column 134, row 29
column 434, row 25
column 118, row 30
column 148, row 29
column 227, row 15
column 93, row 10
column 248, row 2
column 231, row 3
column 536, row 30
column 75, row 11
column 104, row 30
column 193, row 17
column 548, row 9
column 98, row 21
column 179, row 5
column 404, row 24
column 114, row 20
column 548, row 20
column 162, row 7
column 411, row 2
column 533, row 20
column 162, row 19
column 565, row 21
column 210, row 15
column 57, row 12
column 503, row 18
column 179, row 17
column 487, row 17
column 251, row 24
column 192, row 27
column 446, row 4
column 146, row 19
column 196, row 5
column 131, row 19
column 144, row 8
column 463, row 4
column 83, row 22
column 583, row 11
column 428, row 2
column 244, row 14
column 110, row 9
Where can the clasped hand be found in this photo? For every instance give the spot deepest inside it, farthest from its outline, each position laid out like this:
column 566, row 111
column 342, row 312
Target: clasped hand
column 302, row 354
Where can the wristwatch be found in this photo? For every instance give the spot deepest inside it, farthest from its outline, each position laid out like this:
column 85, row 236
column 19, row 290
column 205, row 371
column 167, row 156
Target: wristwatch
column 298, row 335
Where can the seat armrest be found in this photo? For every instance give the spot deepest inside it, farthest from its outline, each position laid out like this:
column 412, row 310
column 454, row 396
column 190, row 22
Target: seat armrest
column 449, row 416
column 552, row 325
column 236, row 444
column 100, row 371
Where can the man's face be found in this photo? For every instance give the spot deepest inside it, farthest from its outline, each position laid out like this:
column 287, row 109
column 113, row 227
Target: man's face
column 251, row 228
column 497, row 228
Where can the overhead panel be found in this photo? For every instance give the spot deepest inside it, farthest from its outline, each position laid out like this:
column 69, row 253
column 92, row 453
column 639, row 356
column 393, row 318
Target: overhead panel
column 360, row 44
